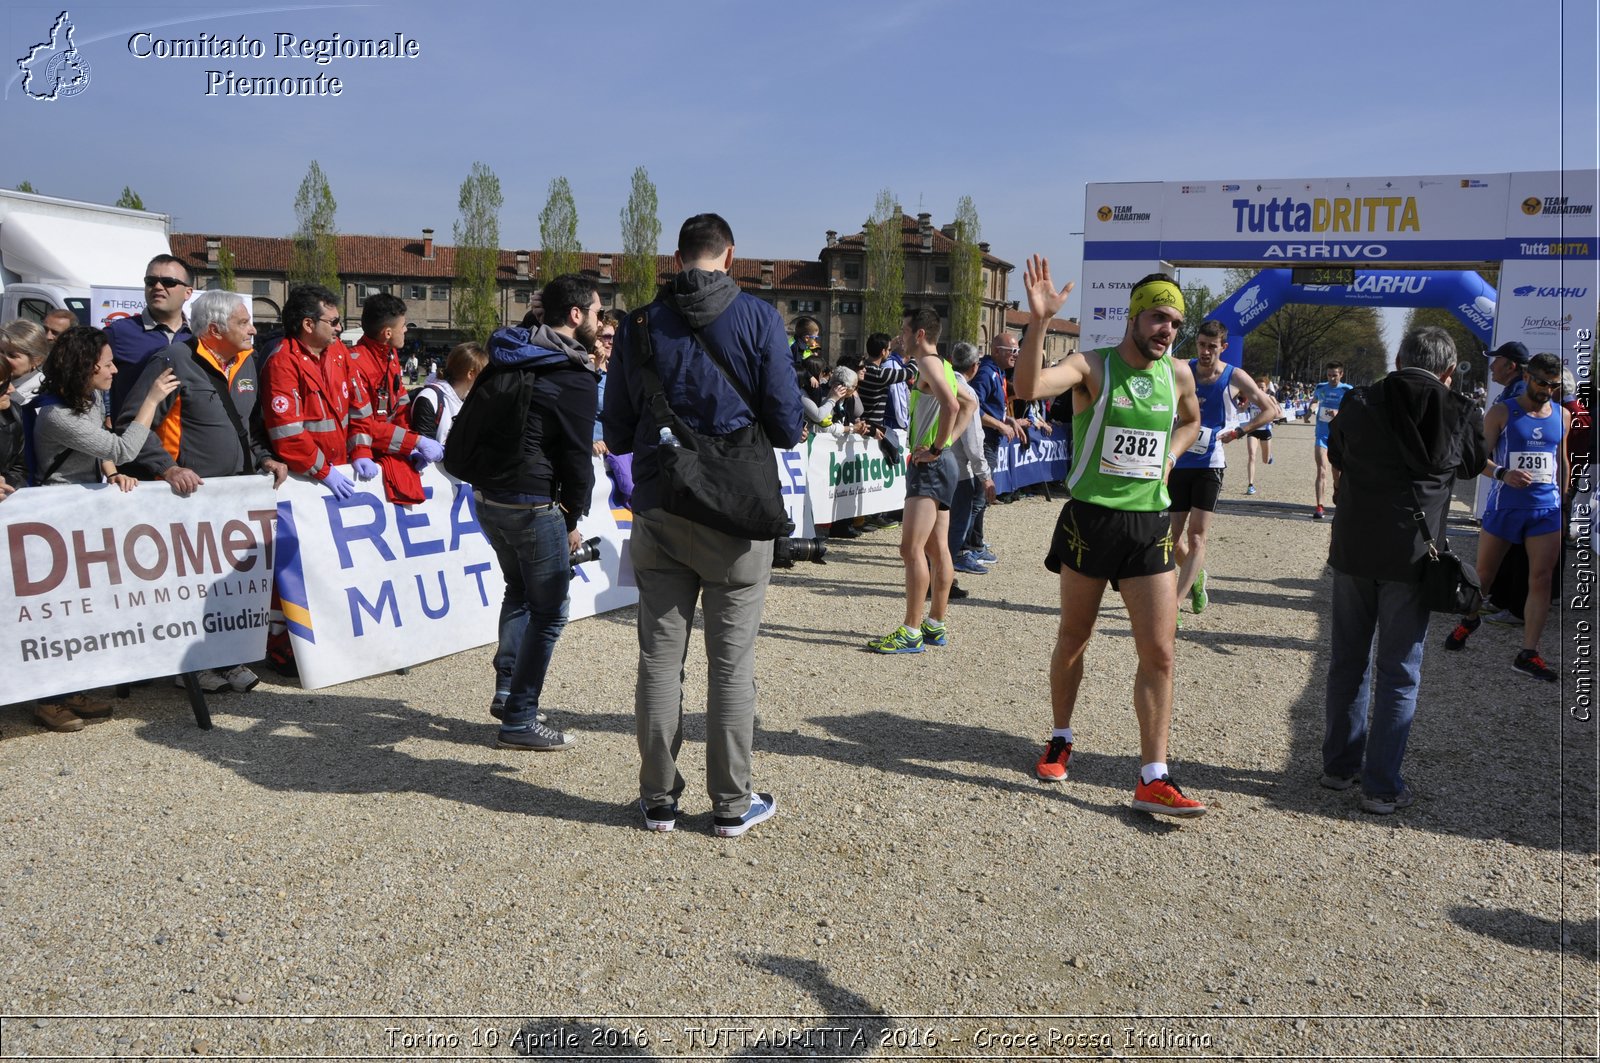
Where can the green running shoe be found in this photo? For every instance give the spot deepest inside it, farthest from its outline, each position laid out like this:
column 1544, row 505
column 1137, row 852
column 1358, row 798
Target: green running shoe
column 901, row 640
column 1197, row 594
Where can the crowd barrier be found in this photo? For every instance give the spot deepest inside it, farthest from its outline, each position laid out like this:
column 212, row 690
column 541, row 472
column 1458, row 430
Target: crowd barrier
column 110, row 587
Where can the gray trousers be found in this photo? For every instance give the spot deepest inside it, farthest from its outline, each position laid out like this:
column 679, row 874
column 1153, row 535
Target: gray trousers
column 675, row 562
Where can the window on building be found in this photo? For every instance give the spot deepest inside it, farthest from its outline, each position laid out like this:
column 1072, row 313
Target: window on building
column 441, row 293
column 419, row 292
column 846, row 306
column 941, row 274
column 261, row 287
column 522, row 295
column 365, row 290
column 852, row 271
column 804, row 306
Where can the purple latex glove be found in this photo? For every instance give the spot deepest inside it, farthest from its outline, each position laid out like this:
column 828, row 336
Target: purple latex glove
column 426, row 452
column 339, row 484
column 365, row 468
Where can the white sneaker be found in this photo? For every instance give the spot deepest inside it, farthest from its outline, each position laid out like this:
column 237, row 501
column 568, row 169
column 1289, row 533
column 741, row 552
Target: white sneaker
column 241, row 678
column 209, row 681
column 1505, row 618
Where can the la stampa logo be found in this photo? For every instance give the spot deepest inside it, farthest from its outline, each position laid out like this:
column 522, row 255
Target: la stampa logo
column 54, row 69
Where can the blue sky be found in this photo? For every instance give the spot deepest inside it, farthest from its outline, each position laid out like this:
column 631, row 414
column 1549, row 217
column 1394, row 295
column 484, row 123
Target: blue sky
column 788, row 119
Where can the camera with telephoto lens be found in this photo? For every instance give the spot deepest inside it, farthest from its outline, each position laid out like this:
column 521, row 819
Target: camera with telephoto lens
column 588, row 550
column 786, row 551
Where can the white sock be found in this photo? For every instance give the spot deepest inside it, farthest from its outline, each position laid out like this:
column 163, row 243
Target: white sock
column 1152, row 771
column 1063, row 733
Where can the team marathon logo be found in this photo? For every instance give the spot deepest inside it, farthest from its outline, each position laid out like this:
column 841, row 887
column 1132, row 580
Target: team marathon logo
column 54, row 69
column 1533, row 206
column 1122, row 212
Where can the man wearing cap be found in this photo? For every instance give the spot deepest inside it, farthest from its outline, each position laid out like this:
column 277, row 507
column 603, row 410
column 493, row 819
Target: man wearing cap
column 1506, row 364
column 1133, row 407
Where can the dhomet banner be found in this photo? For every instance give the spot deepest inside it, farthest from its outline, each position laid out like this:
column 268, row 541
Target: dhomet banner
column 107, row 587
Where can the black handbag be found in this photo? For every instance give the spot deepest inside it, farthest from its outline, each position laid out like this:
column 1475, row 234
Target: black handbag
column 727, row 483
column 1449, row 585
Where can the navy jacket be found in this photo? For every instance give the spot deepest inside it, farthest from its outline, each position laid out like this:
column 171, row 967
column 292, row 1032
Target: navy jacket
column 750, row 336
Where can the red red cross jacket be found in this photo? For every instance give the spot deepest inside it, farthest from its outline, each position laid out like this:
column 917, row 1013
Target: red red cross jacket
column 316, row 416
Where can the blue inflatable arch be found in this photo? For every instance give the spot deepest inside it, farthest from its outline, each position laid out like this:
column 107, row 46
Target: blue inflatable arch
column 1463, row 292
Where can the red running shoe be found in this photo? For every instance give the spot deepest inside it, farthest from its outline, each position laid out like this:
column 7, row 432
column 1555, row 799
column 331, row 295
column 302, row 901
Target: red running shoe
column 1163, row 798
column 1052, row 766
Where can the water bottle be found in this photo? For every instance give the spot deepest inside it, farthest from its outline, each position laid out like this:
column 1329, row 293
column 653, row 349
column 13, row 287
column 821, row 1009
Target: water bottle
column 667, row 439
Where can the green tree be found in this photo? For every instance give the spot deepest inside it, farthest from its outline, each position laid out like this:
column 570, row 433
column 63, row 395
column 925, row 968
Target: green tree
column 477, row 238
column 641, row 240
column 129, row 199
column 225, row 266
column 1294, row 343
column 966, row 274
column 1198, row 302
column 27, row 186
column 315, row 258
column 885, row 277
column 559, row 249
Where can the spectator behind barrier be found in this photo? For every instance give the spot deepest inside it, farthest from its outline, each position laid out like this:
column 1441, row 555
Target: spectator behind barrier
column 434, row 406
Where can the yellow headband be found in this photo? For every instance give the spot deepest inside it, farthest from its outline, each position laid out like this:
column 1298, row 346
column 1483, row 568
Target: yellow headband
column 1152, row 294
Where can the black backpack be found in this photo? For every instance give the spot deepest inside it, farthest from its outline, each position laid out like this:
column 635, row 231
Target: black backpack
column 484, row 447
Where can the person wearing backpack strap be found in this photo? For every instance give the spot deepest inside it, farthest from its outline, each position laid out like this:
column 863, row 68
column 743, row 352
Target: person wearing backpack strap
column 524, row 440
column 742, row 386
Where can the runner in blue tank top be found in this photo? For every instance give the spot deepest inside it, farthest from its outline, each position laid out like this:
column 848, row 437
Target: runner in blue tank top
column 1326, row 398
column 1530, row 471
column 1196, row 479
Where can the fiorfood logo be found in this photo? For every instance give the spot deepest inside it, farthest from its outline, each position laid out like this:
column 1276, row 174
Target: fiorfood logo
column 54, row 69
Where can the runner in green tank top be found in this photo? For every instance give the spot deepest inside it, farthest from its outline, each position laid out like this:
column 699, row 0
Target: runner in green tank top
column 1133, row 409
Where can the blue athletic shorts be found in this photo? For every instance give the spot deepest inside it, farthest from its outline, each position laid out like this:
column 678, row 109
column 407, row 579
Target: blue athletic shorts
column 1520, row 525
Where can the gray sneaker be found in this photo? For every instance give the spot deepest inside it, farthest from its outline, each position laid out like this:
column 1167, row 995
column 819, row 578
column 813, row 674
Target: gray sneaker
column 1338, row 782
column 536, row 736
column 241, row 678
column 1385, row 806
column 210, row 682
column 1505, row 618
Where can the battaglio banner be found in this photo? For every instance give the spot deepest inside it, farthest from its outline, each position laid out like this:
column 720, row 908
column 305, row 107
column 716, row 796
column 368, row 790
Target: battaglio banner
column 106, row 587
column 851, row 478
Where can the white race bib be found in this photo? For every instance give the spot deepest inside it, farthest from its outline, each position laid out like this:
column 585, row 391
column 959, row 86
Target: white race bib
column 1539, row 464
column 1325, row 412
column 1133, row 452
column 1202, row 443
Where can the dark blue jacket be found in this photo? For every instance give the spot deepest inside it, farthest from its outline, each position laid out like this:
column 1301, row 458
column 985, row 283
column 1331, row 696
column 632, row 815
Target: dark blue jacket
column 556, row 461
column 750, row 336
column 990, row 387
column 131, row 346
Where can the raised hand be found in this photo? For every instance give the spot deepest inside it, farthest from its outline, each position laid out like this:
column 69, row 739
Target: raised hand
column 1043, row 299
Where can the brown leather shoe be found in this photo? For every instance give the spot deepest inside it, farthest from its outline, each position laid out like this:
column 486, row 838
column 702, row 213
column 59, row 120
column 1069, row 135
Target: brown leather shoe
column 57, row 717
column 88, row 708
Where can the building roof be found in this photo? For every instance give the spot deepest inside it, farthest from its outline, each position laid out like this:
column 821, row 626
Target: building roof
column 1060, row 326
column 400, row 258
column 911, row 241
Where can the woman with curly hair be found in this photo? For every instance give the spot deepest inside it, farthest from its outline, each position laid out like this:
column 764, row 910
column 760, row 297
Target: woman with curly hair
column 71, row 442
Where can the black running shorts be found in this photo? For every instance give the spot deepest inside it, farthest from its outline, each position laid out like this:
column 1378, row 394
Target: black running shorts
column 1194, row 489
column 1110, row 544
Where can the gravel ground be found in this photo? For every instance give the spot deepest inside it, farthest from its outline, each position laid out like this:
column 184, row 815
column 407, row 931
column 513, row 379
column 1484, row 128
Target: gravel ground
column 366, row 856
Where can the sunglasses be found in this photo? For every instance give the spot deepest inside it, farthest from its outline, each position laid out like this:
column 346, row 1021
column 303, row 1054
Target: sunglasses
column 329, row 321
column 1545, row 383
column 165, row 282
column 607, row 337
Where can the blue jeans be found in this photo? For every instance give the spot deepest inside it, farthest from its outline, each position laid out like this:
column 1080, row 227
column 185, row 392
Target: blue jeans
column 962, row 509
column 1400, row 618
column 974, row 535
column 531, row 546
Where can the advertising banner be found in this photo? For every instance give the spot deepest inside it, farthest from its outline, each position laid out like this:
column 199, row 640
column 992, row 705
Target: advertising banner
column 1549, row 288
column 108, row 304
column 106, row 587
column 1043, row 461
column 368, row 586
column 850, row 478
